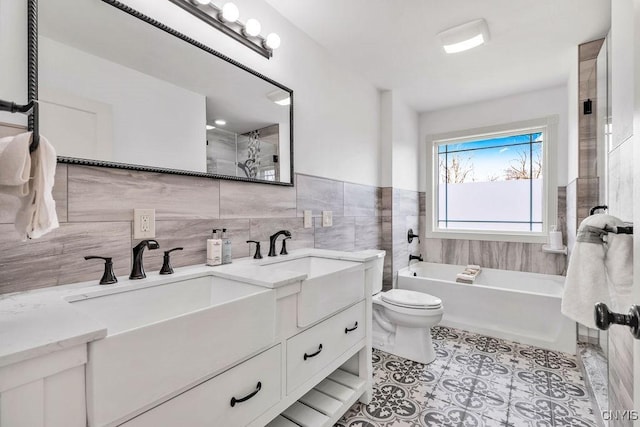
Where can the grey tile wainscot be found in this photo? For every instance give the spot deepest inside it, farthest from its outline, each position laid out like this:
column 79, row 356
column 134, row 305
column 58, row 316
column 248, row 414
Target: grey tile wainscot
column 248, row 200
column 319, row 194
column 340, row 236
column 57, row 258
column 368, row 233
column 261, row 229
column 106, row 194
column 361, row 200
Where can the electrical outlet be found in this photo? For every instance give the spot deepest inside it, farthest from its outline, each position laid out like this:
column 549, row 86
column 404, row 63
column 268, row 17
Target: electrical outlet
column 307, row 222
column 144, row 223
column 327, row 218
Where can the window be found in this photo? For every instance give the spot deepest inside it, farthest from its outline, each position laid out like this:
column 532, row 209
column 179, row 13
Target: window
column 492, row 183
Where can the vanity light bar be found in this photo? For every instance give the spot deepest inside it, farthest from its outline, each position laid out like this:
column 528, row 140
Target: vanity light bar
column 225, row 19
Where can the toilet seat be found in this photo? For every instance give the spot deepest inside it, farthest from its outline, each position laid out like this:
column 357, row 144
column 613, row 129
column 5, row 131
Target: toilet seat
column 411, row 299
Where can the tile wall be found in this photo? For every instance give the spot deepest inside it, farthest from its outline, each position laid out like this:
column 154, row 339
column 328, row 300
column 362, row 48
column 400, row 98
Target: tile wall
column 495, row 254
column 95, row 208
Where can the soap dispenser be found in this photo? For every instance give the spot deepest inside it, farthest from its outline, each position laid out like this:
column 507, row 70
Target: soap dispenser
column 226, row 247
column 214, row 249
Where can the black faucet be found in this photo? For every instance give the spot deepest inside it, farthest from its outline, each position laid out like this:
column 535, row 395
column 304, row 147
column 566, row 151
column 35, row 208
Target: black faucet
column 108, row 277
column 412, row 257
column 137, row 270
column 166, row 262
column 272, row 241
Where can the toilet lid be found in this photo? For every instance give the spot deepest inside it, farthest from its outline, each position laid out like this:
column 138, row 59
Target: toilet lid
column 411, row 299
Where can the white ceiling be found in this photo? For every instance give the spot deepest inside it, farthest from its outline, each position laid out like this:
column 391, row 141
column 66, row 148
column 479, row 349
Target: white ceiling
column 393, row 43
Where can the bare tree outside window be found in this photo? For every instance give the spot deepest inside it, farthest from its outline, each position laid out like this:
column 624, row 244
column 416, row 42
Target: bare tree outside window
column 520, row 169
column 457, row 171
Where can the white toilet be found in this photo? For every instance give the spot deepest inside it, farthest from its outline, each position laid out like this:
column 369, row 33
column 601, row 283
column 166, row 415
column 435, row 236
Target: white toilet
column 402, row 321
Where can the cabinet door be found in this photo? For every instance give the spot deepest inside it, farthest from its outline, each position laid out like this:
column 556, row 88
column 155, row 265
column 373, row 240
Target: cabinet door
column 233, row 398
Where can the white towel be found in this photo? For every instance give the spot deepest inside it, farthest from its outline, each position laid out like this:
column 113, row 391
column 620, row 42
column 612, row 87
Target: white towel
column 15, row 164
column 591, row 265
column 37, row 214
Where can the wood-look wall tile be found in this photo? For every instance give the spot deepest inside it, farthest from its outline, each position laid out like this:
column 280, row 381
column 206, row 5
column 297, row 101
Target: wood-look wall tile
column 587, row 81
column 621, row 388
column 319, row 194
column 587, row 196
column 405, row 203
column 620, row 182
column 107, row 194
column 368, row 233
column 387, row 201
column 455, row 251
column 341, row 236
column 501, row 255
column 57, row 258
column 249, row 200
column 422, row 203
column 262, row 228
column 546, row 263
column 387, row 273
column 9, row 205
column 432, row 250
column 362, row 200
column 561, row 222
column 387, row 232
column 192, row 235
column 587, row 158
column 589, row 50
column 572, row 213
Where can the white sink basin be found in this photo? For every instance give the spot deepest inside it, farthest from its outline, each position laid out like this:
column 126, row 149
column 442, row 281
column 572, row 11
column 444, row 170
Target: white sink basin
column 331, row 285
column 162, row 339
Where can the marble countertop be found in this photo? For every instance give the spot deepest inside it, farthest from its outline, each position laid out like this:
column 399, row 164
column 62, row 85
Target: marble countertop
column 38, row 322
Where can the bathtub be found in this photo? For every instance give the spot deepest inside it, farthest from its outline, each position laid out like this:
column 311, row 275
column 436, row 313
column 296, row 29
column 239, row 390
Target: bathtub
column 513, row 305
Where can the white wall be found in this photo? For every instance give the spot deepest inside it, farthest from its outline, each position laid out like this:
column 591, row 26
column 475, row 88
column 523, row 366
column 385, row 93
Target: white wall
column 336, row 115
column 519, row 107
column 156, row 114
column 406, row 164
column 13, row 57
column 399, row 141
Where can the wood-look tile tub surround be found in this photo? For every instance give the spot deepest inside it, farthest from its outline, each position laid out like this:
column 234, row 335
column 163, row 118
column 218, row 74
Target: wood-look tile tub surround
column 95, row 208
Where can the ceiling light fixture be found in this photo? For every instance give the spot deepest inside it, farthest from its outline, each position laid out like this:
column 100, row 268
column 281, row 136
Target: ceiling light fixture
column 280, row 97
column 464, row 37
column 209, row 127
column 220, row 122
column 225, row 19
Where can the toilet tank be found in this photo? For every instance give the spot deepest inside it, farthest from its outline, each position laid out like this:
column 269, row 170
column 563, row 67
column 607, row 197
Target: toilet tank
column 373, row 273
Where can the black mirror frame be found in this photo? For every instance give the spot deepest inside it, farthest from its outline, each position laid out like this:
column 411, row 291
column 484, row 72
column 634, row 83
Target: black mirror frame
column 32, row 54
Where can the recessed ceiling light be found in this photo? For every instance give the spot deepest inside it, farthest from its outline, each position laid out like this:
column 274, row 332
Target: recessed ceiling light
column 465, row 36
column 209, row 127
column 280, row 97
column 220, row 122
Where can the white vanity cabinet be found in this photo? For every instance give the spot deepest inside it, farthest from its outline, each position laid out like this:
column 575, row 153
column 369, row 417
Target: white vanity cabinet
column 313, row 349
column 231, row 399
column 45, row 391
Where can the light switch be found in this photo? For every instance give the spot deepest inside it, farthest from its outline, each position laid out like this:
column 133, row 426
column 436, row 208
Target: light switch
column 307, row 222
column 327, row 218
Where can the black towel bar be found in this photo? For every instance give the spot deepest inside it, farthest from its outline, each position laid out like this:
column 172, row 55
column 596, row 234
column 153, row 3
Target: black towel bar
column 30, row 108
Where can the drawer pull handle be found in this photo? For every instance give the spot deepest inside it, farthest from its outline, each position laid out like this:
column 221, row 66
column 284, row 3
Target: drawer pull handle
column 306, row 356
column 347, row 330
column 247, row 397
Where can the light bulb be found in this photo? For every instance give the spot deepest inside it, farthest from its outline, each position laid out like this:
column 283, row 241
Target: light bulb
column 273, row 41
column 209, row 127
column 230, row 12
column 202, row 2
column 252, row 27
column 220, row 122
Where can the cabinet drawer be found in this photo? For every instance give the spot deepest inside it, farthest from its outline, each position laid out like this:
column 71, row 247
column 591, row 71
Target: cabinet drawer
column 209, row 404
column 337, row 334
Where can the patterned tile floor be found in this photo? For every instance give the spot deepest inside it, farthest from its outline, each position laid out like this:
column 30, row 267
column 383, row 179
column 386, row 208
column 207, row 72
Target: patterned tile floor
column 475, row 380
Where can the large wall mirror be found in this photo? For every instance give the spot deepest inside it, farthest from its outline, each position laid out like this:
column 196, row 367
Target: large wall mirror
column 121, row 90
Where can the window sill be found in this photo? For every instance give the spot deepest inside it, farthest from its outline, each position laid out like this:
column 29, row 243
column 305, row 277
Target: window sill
column 494, row 236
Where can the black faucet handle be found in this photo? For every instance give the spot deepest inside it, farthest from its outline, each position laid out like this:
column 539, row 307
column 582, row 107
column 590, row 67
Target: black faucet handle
column 152, row 244
column 257, row 255
column 166, row 262
column 108, row 277
column 283, row 251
